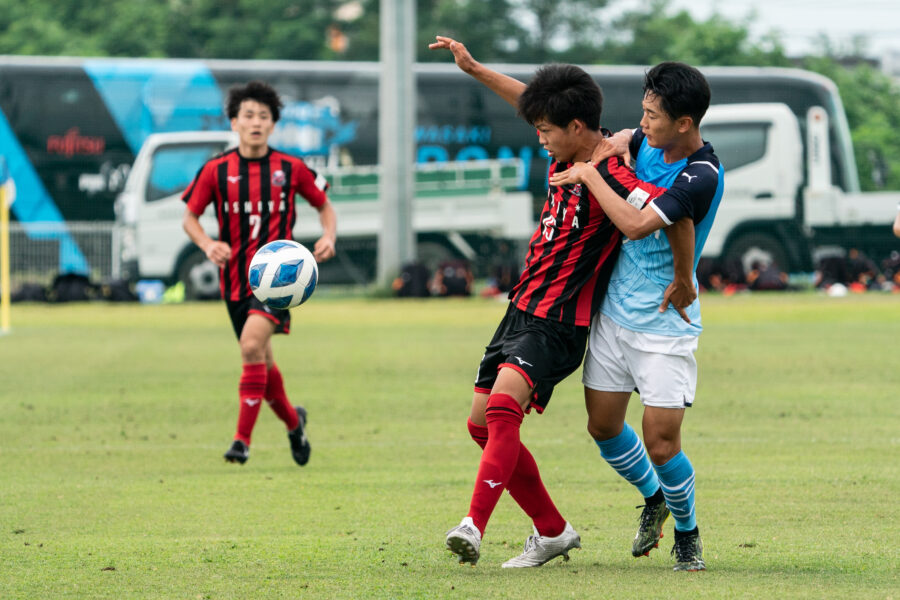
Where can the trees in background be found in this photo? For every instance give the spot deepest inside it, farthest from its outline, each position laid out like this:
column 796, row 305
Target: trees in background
column 532, row 31
column 872, row 103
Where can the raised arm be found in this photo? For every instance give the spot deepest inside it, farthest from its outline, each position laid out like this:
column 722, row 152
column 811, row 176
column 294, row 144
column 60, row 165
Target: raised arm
column 504, row 86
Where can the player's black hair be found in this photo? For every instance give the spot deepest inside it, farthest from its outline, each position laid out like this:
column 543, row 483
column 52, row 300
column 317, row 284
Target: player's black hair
column 560, row 94
column 682, row 90
column 254, row 90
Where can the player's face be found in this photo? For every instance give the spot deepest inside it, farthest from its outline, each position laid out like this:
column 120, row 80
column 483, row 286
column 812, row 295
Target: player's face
column 661, row 130
column 254, row 125
column 559, row 142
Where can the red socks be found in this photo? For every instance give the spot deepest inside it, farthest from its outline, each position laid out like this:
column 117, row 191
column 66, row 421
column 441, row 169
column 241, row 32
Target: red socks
column 527, row 488
column 504, row 417
column 478, row 433
column 506, row 463
column 251, row 390
column 257, row 384
column 278, row 400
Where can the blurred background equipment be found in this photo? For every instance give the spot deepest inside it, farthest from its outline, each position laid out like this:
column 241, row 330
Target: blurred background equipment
column 72, row 128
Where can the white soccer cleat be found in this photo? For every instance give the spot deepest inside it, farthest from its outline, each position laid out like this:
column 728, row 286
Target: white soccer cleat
column 464, row 540
column 540, row 549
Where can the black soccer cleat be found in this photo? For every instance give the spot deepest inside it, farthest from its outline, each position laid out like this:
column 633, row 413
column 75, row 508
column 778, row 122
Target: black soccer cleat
column 650, row 529
column 238, row 453
column 300, row 448
column 688, row 551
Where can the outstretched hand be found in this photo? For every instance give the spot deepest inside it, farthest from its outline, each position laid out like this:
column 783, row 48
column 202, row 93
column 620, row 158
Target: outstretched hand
column 574, row 174
column 609, row 147
column 462, row 57
column 616, row 145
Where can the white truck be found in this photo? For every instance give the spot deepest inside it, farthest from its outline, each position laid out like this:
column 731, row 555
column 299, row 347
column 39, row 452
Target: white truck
column 452, row 201
column 780, row 203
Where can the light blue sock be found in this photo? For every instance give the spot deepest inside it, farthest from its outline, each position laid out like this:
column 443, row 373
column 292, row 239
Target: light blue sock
column 626, row 454
column 676, row 478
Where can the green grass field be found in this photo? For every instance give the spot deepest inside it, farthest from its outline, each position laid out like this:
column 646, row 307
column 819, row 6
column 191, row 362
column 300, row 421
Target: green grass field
column 115, row 418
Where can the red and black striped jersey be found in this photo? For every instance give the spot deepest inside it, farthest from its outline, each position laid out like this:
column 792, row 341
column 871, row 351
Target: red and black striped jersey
column 572, row 253
column 254, row 204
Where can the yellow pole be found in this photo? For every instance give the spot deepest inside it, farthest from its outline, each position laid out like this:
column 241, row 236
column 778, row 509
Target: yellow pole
column 4, row 260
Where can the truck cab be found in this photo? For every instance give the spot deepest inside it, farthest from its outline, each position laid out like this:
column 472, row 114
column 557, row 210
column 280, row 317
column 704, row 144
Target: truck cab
column 149, row 211
column 761, row 147
column 781, row 203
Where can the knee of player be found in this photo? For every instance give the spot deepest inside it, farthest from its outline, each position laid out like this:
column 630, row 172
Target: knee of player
column 662, row 450
column 601, row 431
column 252, row 351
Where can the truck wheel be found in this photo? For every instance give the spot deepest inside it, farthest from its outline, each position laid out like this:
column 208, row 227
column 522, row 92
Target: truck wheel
column 200, row 277
column 757, row 247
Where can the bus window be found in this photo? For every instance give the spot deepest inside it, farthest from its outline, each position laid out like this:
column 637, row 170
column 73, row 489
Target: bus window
column 737, row 144
column 174, row 166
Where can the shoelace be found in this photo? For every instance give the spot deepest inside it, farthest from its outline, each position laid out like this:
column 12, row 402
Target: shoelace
column 530, row 544
column 468, row 530
column 683, row 549
column 464, row 529
column 647, row 515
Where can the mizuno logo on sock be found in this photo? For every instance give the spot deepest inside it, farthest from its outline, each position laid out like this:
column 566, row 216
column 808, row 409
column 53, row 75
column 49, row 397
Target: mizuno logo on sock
column 493, row 483
column 251, row 401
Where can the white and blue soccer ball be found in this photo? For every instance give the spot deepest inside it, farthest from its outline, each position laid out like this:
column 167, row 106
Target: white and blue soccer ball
column 283, row 274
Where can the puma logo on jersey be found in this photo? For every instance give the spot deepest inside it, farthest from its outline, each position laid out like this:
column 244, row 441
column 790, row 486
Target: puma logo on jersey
column 690, row 177
column 234, row 178
column 492, row 483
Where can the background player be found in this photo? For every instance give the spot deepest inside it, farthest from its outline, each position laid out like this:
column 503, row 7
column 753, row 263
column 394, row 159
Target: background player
column 252, row 189
column 632, row 345
column 541, row 338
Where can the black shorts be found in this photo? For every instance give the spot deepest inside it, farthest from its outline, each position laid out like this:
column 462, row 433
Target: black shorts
column 544, row 352
column 239, row 310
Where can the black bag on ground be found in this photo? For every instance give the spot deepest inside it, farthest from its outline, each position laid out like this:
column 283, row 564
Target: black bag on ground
column 118, row 290
column 71, row 287
column 29, row 292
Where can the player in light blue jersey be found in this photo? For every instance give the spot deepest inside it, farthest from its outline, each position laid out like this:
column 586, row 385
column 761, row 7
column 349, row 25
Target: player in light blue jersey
column 636, row 342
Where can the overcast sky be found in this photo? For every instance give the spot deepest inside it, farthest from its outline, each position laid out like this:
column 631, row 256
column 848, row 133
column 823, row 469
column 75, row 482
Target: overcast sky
column 801, row 21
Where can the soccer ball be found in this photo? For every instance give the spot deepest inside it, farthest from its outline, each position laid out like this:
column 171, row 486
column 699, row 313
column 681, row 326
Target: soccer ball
column 283, row 274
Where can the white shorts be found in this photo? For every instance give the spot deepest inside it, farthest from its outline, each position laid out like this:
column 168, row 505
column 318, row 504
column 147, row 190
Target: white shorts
column 661, row 368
